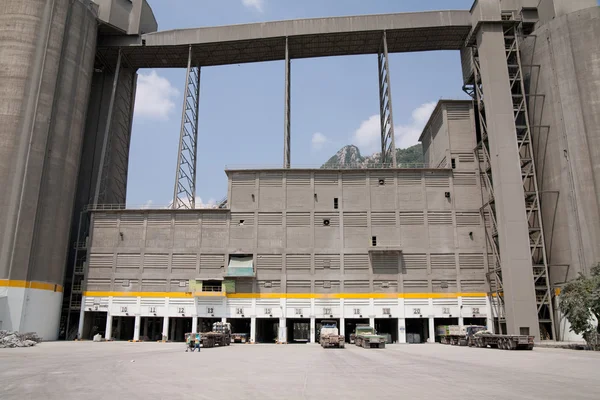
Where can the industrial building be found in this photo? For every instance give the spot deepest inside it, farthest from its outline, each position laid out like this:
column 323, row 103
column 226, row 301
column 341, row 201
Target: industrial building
column 502, row 214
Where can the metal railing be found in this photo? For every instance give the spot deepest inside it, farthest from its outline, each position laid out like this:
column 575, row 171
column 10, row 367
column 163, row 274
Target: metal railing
column 233, row 167
column 212, row 288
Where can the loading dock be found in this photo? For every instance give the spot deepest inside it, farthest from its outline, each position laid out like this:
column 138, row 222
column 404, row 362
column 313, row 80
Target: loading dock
column 350, row 326
column 178, row 327
column 151, row 328
column 417, row 330
column 122, row 328
column 387, row 327
column 267, row 330
column 94, row 322
column 298, row 330
column 240, row 325
column 318, row 326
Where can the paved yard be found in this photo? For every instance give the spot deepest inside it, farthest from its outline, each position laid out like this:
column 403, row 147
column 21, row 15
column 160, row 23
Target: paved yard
column 87, row 370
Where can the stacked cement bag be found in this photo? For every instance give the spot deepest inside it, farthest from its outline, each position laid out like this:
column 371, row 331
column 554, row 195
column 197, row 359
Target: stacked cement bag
column 9, row 339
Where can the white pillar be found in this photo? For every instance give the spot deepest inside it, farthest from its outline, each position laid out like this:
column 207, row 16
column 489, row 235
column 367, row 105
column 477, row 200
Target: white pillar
column 401, row 330
column 342, row 326
column 81, row 321
column 431, row 330
column 108, row 330
column 194, row 324
column 490, row 315
column 165, row 332
column 252, row 329
column 461, row 319
column 224, row 319
column 136, row 327
column 372, row 322
column 312, row 329
column 282, row 330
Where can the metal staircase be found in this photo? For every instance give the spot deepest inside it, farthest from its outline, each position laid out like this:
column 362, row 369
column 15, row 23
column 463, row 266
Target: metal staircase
column 514, row 33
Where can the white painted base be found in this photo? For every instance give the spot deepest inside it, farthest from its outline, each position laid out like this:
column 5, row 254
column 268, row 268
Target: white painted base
column 31, row 310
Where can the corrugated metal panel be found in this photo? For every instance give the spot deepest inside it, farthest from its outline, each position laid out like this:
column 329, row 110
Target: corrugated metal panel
column 156, row 261
column 471, row 261
column 99, row 260
column 298, row 219
column 297, row 262
column 212, row 261
column 383, row 219
column 468, row 219
column 183, row 262
column 443, row 261
column 356, row 262
column 414, row 261
column 465, row 179
column 269, row 262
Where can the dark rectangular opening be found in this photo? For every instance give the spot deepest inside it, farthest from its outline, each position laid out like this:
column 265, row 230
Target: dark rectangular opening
column 205, row 324
column 441, row 325
column 94, row 322
column 453, row 163
column 373, row 240
column 151, row 328
column 240, row 330
column 417, row 330
column 476, row 321
column 267, row 330
column 387, row 327
column 122, row 328
column 350, row 326
column 298, row 330
column 178, row 327
column 524, row 330
column 335, row 203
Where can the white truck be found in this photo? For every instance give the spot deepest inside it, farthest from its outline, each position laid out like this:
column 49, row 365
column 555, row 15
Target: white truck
column 329, row 335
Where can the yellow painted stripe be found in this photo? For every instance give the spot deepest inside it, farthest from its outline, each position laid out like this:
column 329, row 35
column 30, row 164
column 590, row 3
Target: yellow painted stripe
column 287, row 295
column 31, row 285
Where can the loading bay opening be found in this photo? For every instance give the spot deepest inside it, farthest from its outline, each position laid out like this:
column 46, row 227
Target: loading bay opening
column 476, row 321
column 122, row 328
column 440, row 324
column 152, row 328
column 240, row 325
column 178, row 327
column 267, row 330
column 94, row 323
column 205, row 324
column 298, row 330
column 387, row 327
column 350, row 326
column 417, row 330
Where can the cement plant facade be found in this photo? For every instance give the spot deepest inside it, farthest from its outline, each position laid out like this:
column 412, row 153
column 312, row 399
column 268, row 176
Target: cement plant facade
column 504, row 211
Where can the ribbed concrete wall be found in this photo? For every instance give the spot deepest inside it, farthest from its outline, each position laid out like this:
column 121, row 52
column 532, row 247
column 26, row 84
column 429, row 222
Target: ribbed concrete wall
column 568, row 153
column 46, row 55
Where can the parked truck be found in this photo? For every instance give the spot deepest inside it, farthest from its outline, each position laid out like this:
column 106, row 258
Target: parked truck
column 365, row 336
column 239, row 337
column 478, row 336
column 220, row 335
column 329, row 335
column 459, row 335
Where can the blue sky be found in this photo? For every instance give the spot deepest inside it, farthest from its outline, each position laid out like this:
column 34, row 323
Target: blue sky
column 241, row 108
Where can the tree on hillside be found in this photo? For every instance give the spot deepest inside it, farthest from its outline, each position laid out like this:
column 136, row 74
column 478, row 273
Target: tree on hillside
column 580, row 303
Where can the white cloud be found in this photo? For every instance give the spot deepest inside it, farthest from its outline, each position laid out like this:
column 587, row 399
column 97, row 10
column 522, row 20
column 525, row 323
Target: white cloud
column 408, row 135
column 211, row 203
column 368, row 136
column 154, row 96
column 147, row 205
column 256, row 4
column 318, row 141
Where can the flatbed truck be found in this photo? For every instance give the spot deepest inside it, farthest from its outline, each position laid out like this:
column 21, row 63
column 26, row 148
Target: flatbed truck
column 220, row 335
column 478, row 336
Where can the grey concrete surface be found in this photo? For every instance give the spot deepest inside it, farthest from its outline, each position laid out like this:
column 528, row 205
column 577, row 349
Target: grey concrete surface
column 87, row 370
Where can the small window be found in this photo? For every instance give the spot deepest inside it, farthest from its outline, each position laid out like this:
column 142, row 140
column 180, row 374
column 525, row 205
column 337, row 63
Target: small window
column 524, row 330
column 381, row 182
column 241, row 222
column 453, row 162
column 326, row 222
column 374, row 241
column 335, row 203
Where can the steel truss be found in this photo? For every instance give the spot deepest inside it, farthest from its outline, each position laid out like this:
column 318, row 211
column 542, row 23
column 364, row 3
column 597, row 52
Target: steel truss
column 388, row 143
column 513, row 35
column 184, row 193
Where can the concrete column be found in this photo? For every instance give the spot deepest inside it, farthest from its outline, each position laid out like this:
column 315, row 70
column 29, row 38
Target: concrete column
column 401, row 330
column 490, row 315
column 81, row 321
column 194, row 324
column 253, row 330
column 513, row 230
column 136, row 327
column 108, row 330
column 342, row 326
column 372, row 322
column 461, row 319
column 431, row 331
column 287, row 108
column 312, row 330
column 165, row 332
column 282, row 330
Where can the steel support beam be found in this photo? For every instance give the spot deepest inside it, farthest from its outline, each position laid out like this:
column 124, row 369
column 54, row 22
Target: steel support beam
column 184, row 192
column 287, row 108
column 388, row 143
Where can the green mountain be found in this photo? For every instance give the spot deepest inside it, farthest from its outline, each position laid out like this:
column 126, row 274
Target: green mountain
column 349, row 157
